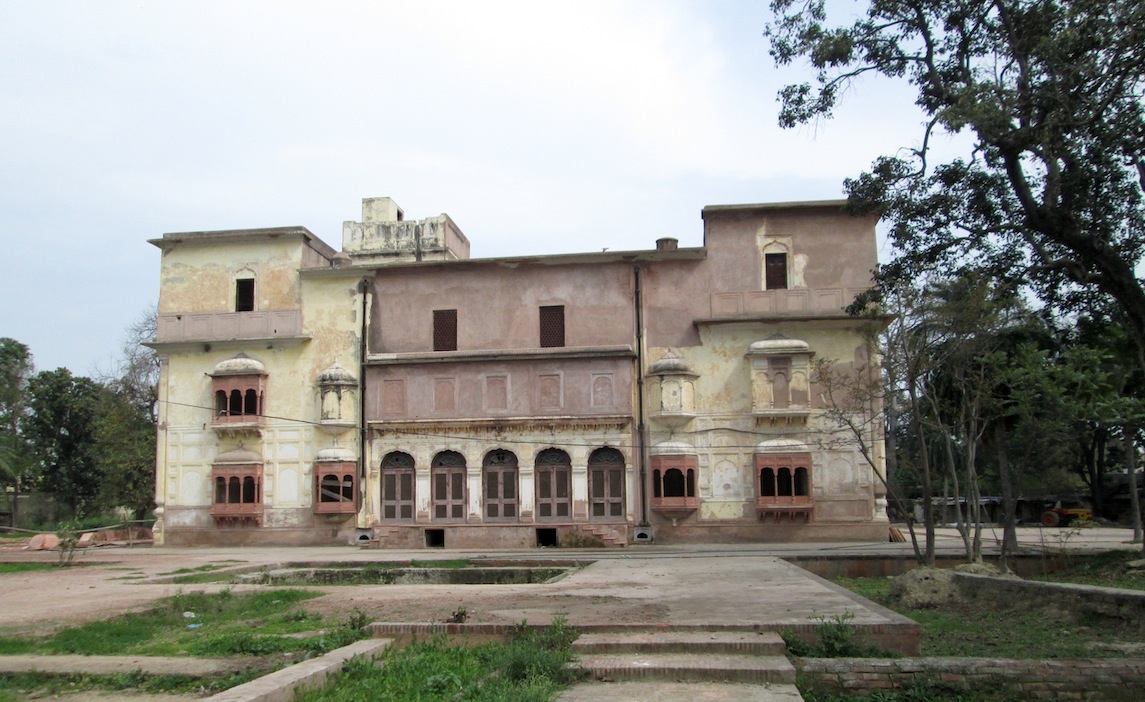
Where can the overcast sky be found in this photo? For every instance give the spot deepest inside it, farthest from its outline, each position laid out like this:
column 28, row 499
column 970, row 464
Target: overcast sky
column 539, row 127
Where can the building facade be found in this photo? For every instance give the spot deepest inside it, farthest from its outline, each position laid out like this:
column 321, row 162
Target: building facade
column 401, row 393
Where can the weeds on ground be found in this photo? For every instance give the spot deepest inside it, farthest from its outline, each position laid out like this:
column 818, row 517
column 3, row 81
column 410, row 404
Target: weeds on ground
column 15, row 686
column 69, row 535
column 533, row 666
column 919, row 691
column 947, row 631
column 835, row 637
column 209, row 625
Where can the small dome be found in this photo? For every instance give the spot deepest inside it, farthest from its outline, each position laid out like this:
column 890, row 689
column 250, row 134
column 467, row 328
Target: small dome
column 778, row 344
column 782, row 446
column 336, row 454
column 241, row 364
column 239, row 455
column 336, row 375
column 672, row 448
column 671, row 364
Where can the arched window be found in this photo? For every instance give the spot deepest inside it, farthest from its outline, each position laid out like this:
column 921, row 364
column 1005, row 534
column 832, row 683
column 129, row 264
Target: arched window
column 398, row 484
column 674, row 484
column 784, row 486
column 237, row 479
column 553, row 477
column 330, row 489
column 448, row 486
column 335, row 487
column 767, row 482
column 238, row 385
column 499, row 476
column 801, row 482
column 606, row 484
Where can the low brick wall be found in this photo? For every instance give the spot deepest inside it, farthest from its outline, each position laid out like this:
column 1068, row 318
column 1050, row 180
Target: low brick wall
column 1082, row 603
column 1112, row 679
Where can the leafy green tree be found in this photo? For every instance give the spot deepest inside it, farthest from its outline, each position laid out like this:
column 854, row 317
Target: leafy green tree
column 125, row 431
column 61, row 433
column 1050, row 91
column 15, row 368
column 125, row 454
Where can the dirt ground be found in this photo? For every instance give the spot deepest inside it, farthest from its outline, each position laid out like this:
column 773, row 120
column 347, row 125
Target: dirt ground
column 704, row 585
column 635, row 585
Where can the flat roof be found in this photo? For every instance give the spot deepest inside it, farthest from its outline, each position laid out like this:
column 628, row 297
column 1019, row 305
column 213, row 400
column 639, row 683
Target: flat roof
column 772, row 206
column 231, row 236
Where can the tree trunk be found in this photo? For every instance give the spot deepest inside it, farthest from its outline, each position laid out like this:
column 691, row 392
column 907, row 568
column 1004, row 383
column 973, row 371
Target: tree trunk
column 1131, row 474
column 1009, row 505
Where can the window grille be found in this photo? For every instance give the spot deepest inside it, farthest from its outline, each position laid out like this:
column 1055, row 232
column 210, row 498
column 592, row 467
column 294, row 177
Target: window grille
column 775, row 271
column 445, row 330
column 553, row 326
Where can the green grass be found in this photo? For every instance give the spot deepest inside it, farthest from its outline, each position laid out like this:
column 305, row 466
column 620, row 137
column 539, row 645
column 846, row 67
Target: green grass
column 22, row 686
column 222, row 624
column 920, row 691
column 206, row 568
column 24, row 567
column 533, row 667
column 1001, row 634
column 1106, row 569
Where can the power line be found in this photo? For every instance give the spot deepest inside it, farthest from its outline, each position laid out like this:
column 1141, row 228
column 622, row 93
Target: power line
column 847, row 434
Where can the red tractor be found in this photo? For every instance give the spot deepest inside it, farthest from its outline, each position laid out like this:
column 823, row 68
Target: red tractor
column 1063, row 516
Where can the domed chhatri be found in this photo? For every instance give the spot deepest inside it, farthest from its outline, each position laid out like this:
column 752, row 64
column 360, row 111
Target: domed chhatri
column 671, row 364
column 778, row 344
column 240, row 364
column 336, row 375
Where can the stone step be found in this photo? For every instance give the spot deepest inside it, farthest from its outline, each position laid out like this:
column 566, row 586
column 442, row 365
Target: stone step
column 761, row 643
column 687, row 667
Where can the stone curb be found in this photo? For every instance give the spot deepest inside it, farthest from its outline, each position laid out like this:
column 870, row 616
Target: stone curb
column 281, row 685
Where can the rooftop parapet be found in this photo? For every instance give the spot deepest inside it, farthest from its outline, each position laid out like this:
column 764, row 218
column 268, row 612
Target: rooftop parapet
column 385, row 236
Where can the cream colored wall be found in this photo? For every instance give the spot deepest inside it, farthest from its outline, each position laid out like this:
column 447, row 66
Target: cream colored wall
column 725, row 433
column 200, row 278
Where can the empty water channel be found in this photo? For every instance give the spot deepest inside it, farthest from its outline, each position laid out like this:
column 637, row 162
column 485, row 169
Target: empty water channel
column 455, row 572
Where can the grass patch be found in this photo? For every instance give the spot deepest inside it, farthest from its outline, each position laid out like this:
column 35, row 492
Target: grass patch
column 1106, row 569
column 197, row 569
column 207, row 625
column 835, row 637
column 19, row 686
column 449, row 563
column 949, row 631
column 919, row 691
column 24, row 567
column 532, row 667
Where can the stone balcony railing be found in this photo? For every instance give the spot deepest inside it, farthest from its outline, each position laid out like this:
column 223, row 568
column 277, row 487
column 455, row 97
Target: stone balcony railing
column 223, row 326
column 797, row 302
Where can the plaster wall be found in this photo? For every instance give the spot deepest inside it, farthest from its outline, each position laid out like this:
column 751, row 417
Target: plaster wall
column 725, row 433
column 497, row 305
column 499, row 388
column 201, row 278
column 291, row 434
column 831, row 256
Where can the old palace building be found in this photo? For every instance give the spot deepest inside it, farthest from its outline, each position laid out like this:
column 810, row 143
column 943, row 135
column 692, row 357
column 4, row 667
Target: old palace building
column 400, row 392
